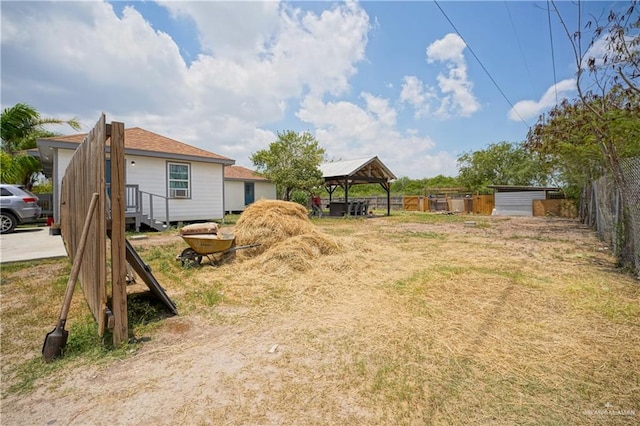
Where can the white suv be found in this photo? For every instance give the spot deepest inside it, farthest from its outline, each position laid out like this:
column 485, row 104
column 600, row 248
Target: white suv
column 17, row 206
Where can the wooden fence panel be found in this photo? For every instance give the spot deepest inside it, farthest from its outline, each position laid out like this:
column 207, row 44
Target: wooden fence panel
column 483, row 204
column 559, row 207
column 411, row 203
column 83, row 177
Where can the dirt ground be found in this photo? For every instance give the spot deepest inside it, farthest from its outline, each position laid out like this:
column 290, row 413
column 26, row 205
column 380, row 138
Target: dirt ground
column 410, row 322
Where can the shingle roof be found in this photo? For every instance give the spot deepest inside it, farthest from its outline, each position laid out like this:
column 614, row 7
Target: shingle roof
column 136, row 138
column 239, row 172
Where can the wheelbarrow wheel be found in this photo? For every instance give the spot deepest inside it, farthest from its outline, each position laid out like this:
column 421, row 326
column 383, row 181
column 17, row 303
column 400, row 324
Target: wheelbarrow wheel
column 190, row 258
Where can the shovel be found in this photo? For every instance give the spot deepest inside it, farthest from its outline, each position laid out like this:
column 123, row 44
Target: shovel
column 57, row 338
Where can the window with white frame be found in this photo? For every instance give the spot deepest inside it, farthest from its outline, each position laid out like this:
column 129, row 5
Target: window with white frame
column 179, row 175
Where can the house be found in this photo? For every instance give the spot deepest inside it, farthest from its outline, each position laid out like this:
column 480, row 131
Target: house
column 167, row 181
column 243, row 186
column 518, row 200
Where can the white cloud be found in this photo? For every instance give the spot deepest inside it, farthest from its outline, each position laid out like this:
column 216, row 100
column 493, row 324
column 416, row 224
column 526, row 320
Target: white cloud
column 527, row 109
column 237, row 30
column 415, row 94
column 455, row 96
column 455, row 85
column 380, row 107
column 447, row 49
column 348, row 131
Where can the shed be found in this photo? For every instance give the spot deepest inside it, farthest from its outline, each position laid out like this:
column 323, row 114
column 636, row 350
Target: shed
column 166, row 180
column 345, row 174
column 243, row 186
column 518, row 200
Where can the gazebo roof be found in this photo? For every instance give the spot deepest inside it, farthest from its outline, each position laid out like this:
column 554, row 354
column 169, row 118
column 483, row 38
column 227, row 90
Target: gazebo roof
column 364, row 170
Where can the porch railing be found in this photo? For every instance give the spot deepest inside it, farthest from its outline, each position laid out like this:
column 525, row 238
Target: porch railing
column 145, row 207
column 154, row 216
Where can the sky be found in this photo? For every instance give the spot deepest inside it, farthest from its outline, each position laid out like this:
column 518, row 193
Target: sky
column 415, row 83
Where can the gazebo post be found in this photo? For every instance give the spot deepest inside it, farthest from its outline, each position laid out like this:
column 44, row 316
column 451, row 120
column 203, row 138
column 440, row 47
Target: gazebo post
column 388, row 188
column 346, row 195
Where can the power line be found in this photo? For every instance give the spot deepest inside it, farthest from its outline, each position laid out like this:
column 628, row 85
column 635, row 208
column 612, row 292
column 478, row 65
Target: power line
column 482, row 65
column 553, row 56
column 524, row 59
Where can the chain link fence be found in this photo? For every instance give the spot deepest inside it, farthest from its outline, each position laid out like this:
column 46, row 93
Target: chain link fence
column 602, row 208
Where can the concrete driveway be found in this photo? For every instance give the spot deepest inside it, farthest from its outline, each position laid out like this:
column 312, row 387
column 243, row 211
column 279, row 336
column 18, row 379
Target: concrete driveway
column 30, row 244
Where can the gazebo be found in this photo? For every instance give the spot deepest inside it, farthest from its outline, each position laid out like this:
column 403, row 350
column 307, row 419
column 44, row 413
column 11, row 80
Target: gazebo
column 344, row 174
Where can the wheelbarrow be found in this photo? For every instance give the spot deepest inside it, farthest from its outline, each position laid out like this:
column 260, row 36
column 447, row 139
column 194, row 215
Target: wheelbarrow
column 216, row 248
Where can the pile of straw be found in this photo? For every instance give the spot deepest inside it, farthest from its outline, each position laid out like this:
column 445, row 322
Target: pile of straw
column 285, row 234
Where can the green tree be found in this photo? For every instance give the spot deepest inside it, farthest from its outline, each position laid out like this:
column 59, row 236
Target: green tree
column 20, row 126
column 566, row 137
column 500, row 163
column 292, row 163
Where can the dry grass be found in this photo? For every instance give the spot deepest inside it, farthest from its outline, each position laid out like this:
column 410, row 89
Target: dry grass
column 412, row 319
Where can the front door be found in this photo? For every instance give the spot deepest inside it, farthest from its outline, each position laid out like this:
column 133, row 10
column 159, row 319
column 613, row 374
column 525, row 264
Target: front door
column 249, row 193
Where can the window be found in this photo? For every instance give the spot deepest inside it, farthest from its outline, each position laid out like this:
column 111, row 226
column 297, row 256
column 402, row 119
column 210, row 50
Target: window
column 179, row 180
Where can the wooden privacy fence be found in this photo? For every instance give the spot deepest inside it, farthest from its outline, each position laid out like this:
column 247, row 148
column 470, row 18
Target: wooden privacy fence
column 84, row 176
column 483, row 204
column 476, row 204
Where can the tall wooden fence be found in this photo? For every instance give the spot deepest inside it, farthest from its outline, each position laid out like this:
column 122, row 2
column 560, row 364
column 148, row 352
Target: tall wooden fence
column 477, row 204
column 85, row 176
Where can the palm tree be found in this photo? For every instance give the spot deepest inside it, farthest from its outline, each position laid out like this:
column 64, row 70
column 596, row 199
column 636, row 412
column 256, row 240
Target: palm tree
column 20, row 127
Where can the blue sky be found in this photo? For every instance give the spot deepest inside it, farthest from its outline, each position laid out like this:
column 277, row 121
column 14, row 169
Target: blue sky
column 386, row 79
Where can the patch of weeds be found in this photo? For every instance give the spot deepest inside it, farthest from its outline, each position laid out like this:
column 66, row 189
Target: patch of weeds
column 59, row 284
column 230, row 219
column 142, row 308
column 449, row 271
column 10, row 268
column 155, row 253
column 84, row 338
column 593, row 297
column 208, row 295
column 29, row 372
column 166, row 266
column 83, row 343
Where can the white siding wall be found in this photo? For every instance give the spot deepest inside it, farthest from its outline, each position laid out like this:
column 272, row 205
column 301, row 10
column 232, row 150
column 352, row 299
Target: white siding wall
column 151, row 176
column 206, row 189
column 266, row 190
column 517, row 203
column 234, row 193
